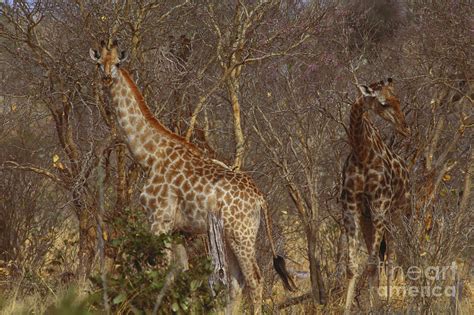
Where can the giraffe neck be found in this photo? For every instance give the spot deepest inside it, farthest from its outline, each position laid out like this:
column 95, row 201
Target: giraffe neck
column 146, row 137
column 363, row 136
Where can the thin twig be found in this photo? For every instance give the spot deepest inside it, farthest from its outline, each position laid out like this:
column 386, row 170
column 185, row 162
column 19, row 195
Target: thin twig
column 169, row 280
column 100, row 236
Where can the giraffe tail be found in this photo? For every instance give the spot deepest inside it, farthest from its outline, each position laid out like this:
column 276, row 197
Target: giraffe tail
column 383, row 249
column 278, row 261
column 280, row 267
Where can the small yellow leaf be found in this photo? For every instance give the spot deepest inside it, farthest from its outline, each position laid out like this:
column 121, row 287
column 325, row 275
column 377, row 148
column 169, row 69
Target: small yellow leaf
column 13, row 107
column 103, row 18
column 446, row 177
column 55, row 158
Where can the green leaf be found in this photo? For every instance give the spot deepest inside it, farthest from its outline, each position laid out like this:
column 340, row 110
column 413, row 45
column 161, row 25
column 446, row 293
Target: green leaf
column 175, row 307
column 119, row 299
column 115, row 242
column 195, row 284
column 184, row 305
column 152, row 274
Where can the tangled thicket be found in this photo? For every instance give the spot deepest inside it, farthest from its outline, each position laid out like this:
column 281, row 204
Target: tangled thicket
column 265, row 86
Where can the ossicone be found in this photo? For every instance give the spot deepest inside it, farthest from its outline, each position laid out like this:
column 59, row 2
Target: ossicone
column 117, row 56
column 94, row 54
column 123, row 55
column 365, row 90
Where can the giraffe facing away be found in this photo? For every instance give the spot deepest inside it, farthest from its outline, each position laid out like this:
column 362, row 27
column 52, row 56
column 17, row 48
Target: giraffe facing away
column 183, row 185
column 375, row 187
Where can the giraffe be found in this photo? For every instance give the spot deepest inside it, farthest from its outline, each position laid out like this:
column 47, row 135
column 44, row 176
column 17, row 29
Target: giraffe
column 183, row 185
column 375, row 186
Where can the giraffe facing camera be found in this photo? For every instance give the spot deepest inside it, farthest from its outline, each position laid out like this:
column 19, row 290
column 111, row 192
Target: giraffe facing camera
column 183, row 184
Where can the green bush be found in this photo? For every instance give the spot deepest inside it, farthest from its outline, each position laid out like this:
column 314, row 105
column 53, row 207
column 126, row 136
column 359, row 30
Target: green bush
column 140, row 272
column 72, row 305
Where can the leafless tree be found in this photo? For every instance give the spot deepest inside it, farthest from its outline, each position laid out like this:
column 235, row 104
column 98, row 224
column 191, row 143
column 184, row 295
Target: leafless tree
column 264, row 86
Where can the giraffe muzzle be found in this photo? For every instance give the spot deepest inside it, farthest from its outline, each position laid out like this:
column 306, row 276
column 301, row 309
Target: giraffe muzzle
column 107, row 80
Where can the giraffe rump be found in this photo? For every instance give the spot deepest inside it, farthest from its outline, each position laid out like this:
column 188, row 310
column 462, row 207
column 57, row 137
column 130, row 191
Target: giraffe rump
column 280, row 267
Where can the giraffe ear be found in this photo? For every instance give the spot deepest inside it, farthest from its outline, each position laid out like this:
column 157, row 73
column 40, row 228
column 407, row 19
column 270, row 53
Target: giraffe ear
column 123, row 56
column 365, row 90
column 94, row 54
column 389, row 82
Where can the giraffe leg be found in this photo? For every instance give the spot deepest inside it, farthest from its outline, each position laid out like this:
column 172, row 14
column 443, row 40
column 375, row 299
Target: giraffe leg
column 161, row 211
column 369, row 232
column 235, row 286
column 352, row 226
column 395, row 223
column 389, row 264
column 248, row 265
column 373, row 266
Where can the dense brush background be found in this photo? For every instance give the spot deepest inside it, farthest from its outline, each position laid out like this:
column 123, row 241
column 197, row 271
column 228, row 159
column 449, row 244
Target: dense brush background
column 288, row 68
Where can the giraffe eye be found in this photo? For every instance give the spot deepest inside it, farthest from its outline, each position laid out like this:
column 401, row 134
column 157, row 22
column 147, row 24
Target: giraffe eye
column 385, row 104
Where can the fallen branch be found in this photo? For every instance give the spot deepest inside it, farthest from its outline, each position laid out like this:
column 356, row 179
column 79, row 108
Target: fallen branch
column 295, row 301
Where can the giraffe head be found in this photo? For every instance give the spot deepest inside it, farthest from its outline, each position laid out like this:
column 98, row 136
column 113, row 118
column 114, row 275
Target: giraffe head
column 380, row 97
column 108, row 60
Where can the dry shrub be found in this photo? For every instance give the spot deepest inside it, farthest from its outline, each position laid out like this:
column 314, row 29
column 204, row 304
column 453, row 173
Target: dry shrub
column 29, row 227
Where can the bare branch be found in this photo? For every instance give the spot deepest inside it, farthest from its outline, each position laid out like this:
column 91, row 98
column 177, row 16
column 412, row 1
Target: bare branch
column 34, row 169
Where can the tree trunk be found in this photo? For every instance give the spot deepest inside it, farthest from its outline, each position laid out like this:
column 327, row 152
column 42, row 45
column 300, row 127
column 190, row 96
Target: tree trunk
column 215, row 234
column 121, row 200
column 87, row 242
column 233, row 90
column 317, row 284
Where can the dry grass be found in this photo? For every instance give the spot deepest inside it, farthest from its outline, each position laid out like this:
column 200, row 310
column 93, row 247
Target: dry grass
column 295, row 247
column 37, row 301
column 13, row 302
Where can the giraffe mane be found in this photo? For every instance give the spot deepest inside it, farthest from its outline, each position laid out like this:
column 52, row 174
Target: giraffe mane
column 152, row 119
